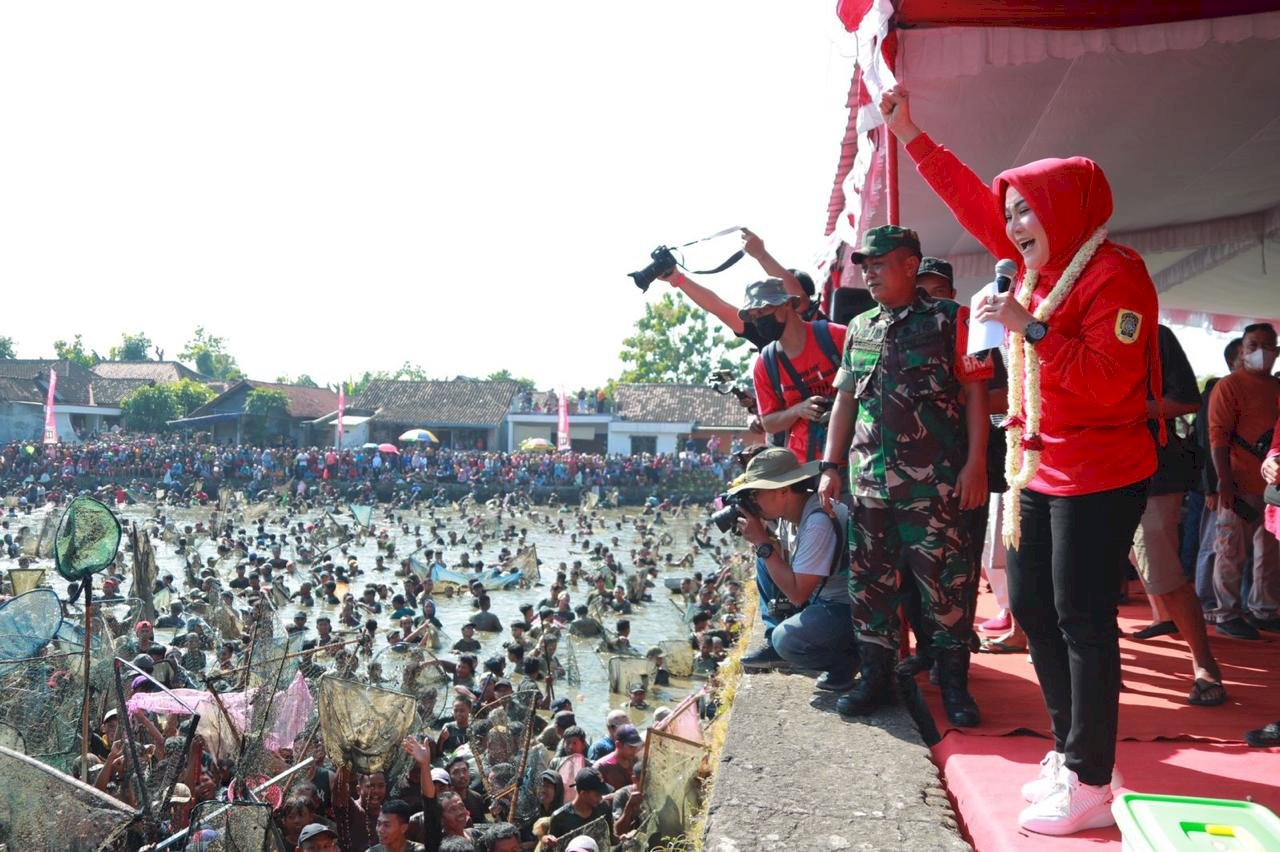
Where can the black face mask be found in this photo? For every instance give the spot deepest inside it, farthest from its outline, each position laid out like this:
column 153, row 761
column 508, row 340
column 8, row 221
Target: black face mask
column 769, row 327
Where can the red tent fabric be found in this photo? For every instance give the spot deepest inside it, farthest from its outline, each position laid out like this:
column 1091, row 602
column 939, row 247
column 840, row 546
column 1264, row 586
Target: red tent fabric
column 1036, row 14
column 1180, row 108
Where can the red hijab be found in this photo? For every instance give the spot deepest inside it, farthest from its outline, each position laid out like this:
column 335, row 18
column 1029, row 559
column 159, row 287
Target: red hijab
column 1070, row 197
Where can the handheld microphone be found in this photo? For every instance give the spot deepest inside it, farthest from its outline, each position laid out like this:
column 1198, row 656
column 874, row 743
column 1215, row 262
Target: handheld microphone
column 1005, row 270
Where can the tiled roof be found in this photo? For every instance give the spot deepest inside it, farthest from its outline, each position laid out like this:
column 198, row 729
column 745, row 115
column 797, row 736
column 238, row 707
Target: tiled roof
column 76, row 385
column 160, row 372
column 304, row 403
column 457, row 403
column 20, row 390
column 675, row 403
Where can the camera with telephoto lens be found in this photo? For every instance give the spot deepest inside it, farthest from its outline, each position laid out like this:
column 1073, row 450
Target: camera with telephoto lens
column 730, row 512
column 661, row 262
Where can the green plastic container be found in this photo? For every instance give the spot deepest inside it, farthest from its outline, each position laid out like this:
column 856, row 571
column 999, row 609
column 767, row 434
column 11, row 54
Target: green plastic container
column 1150, row 823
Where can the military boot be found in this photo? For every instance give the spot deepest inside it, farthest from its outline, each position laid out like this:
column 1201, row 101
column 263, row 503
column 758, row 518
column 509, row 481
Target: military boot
column 875, row 681
column 953, row 672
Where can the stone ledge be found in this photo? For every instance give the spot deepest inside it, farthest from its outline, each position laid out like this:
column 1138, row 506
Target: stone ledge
column 795, row 775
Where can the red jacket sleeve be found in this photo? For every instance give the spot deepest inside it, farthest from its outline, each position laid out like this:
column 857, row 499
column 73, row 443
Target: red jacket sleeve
column 1098, row 363
column 1275, row 441
column 969, row 199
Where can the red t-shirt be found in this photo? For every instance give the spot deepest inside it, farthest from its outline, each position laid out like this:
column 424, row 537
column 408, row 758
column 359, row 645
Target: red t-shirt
column 1100, row 356
column 817, row 373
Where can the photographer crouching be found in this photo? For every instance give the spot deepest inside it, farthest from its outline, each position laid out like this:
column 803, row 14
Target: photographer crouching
column 811, row 573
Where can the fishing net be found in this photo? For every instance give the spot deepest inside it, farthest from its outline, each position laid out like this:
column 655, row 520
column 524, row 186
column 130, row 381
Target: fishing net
column 43, row 809
column 144, row 571
column 624, row 671
column 417, row 677
column 23, row 580
column 41, row 698
column 41, row 546
column 11, row 738
column 572, row 671
column 87, row 540
column 527, row 561
column 27, row 624
column 239, row 827
column 671, row 785
column 598, row 830
column 569, row 768
column 363, row 726
column 678, row 656
column 362, row 514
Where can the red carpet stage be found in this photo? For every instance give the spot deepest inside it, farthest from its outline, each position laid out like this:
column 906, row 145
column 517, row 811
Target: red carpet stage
column 1167, row 745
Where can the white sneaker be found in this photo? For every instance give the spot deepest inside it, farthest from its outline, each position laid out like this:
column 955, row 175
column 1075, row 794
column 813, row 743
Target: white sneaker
column 1050, row 769
column 1043, row 784
column 1071, row 807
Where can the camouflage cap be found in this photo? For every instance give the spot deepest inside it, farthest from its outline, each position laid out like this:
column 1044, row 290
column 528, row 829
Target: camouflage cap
column 884, row 239
column 935, row 266
column 764, row 294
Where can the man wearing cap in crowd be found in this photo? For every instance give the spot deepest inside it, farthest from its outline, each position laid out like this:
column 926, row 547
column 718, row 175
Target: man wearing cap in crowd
column 318, row 837
column 587, row 805
column 793, row 379
column 912, row 418
column 617, row 768
column 811, row 573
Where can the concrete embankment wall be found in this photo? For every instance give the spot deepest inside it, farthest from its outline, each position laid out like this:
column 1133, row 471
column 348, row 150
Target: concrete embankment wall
column 794, row 775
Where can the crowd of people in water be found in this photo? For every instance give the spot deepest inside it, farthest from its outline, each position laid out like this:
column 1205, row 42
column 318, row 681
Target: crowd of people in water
column 444, row 602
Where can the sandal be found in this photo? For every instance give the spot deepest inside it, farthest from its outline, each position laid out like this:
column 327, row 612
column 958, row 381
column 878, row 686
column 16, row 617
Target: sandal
column 1206, row 693
column 1156, row 628
column 1000, row 646
column 1268, row 736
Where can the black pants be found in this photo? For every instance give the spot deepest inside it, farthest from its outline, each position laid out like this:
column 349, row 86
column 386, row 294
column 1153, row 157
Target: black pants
column 1063, row 589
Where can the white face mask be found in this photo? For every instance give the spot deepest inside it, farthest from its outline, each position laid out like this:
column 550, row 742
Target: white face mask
column 1257, row 361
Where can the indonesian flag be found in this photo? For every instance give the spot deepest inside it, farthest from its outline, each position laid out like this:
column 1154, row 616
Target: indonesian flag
column 562, row 427
column 342, row 409
column 50, row 424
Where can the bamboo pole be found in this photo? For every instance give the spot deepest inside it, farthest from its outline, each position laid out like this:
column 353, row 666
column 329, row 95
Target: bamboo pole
column 524, row 759
column 132, row 746
column 84, row 708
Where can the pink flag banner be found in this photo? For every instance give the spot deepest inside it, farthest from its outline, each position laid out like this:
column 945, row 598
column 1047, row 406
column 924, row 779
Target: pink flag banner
column 50, row 423
column 342, row 409
column 562, row 427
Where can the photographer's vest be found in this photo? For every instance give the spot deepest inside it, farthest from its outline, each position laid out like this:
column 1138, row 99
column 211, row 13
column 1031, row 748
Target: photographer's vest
column 839, row 561
column 773, row 356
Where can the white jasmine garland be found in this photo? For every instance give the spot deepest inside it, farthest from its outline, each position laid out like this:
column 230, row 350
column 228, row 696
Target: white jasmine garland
column 1023, row 430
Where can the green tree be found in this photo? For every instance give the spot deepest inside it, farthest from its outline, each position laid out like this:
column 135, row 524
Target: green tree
column 405, row 372
column 210, row 356
column 263, row 407
column 6, row 348
column 303, row 380
column 75, row 352
column 150, row 408
column 188, row 395
column 133, row 347
column 504, row 375
column 674, row 342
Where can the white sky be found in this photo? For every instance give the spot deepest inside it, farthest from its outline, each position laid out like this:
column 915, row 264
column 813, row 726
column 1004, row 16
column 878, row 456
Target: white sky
column 336, row 187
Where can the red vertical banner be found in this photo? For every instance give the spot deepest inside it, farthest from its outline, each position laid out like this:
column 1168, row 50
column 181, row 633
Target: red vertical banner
column 562, row 427
column 50, row 422
column 342, row 410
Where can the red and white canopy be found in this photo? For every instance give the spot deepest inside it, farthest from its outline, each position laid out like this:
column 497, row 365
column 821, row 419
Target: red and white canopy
column 1181, row 109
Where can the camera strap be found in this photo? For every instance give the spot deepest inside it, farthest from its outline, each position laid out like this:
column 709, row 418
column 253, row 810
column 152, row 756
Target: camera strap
column 733, row 258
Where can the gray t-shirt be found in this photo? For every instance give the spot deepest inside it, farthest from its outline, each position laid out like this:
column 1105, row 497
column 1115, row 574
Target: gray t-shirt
column 813, row 549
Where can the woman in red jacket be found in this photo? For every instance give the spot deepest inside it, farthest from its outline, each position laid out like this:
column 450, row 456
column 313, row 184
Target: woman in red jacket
column 1082, row 337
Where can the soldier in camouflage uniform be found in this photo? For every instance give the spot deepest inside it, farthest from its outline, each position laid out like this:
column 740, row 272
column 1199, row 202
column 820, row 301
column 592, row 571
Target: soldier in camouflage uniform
column 913, row 412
